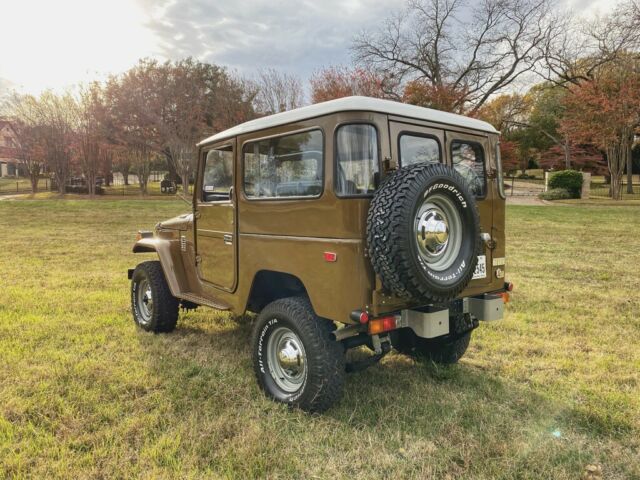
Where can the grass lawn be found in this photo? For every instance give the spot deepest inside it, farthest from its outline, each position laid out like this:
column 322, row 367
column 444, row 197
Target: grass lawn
column 553, row 388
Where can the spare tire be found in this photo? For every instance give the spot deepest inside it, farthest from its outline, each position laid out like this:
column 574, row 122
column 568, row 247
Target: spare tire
column 423, row 233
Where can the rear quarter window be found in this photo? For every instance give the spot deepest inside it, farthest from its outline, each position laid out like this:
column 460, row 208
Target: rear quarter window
column 357, row 160
column 468, row 159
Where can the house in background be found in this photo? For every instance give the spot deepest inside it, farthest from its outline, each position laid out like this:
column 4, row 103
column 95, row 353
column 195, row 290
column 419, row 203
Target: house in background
column 9, row 163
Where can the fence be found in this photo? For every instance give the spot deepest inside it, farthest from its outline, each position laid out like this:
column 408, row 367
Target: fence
column 602, row 189
column 523, row 186
column 118, row 186
column 13, row 185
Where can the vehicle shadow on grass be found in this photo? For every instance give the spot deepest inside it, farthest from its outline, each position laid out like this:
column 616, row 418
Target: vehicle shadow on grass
column 205, row 364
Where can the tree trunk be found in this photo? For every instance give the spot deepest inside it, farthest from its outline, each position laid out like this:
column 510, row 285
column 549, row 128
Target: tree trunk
column 616, row 186
column 62, row 184
column 171, row 167
column 34, row 183
column 567, row 154
column 616, row 161
column 629, row 165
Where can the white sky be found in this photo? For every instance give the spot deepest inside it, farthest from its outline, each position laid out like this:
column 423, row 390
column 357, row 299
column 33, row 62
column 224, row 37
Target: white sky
column 55, row 44
column 51, row 44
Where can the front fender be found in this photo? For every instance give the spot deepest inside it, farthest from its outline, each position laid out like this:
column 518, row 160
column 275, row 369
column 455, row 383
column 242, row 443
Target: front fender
column 146, row 245
column 170, row 258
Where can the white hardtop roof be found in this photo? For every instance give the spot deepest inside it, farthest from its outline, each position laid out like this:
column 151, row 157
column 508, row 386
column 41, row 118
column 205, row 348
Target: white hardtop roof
column 353, row 104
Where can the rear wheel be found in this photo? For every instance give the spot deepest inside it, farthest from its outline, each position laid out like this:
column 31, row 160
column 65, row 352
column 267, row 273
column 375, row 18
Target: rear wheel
column 295, row 358
column 445, row 351
column 153, row 306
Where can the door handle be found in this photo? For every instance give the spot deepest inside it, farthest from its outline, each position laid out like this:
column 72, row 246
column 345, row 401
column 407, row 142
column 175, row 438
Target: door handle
column 228, row 239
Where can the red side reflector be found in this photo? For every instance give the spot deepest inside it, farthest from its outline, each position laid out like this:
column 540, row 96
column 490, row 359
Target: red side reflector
column 380, row 325
column 364, row 317
column 330, row 256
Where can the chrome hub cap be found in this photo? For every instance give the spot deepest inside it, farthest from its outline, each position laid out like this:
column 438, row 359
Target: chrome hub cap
column 438, row 232
column 433, row 231
column 145, row 301
column 287, row 359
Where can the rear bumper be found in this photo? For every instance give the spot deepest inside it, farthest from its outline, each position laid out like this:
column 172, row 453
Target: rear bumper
column 433, row 322
column 487, row 307
column 430, row 321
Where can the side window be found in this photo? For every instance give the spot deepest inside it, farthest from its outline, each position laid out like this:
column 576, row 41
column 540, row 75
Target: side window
column 217, row 178
column 468, row 160
column 288, row 166
column 357, row 160
column 418, row 149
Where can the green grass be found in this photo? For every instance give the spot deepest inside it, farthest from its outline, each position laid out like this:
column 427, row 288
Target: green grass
column 552, row 388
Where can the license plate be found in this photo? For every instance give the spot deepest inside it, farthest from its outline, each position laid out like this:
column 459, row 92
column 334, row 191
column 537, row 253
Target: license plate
column 481, row 268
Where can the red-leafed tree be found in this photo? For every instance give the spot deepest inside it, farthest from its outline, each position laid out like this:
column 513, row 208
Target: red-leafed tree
column 28, row 149
column 583, row 157
column 338, row 82
column 509, row 156
column 441, row 97
column 606, row 112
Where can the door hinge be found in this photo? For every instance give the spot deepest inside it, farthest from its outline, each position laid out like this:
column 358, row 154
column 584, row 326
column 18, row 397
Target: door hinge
column 228, row 239
column 198, row 260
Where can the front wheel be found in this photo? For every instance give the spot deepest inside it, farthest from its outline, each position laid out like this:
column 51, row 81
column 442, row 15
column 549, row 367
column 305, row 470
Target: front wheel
column 154, row 308
column 295, row 357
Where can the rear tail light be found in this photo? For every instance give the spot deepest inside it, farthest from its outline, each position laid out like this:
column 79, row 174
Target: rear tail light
column 508, row 286
column 381, row 325
column 505, row 297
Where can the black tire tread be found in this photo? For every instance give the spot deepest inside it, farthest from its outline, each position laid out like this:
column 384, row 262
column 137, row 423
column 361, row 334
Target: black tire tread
column 165, row 305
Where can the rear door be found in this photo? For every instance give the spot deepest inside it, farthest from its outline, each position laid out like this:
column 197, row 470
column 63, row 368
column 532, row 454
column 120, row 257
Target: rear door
column 216, row 218
column 469, row 155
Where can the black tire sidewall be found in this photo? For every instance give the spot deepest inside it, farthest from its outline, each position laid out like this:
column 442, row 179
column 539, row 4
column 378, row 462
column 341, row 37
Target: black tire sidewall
column 268, row 384
column 140, row 274
column 466, row 260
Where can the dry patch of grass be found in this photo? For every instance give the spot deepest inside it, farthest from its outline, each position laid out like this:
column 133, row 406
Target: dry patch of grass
column 543, row 394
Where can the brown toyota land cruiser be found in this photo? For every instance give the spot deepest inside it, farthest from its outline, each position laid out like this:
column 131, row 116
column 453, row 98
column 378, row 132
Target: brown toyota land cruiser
column 346, row 223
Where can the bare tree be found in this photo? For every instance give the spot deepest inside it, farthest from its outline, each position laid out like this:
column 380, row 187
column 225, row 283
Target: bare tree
column 576, row 53
column 49, row 118
column 28, row 150
column 471, row 50
column 278, row 92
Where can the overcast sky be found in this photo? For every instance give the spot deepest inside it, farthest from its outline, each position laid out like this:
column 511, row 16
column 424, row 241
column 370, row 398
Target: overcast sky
column 47, row 44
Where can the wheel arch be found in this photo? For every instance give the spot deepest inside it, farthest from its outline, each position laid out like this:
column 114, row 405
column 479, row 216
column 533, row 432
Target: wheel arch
column 270, row 285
